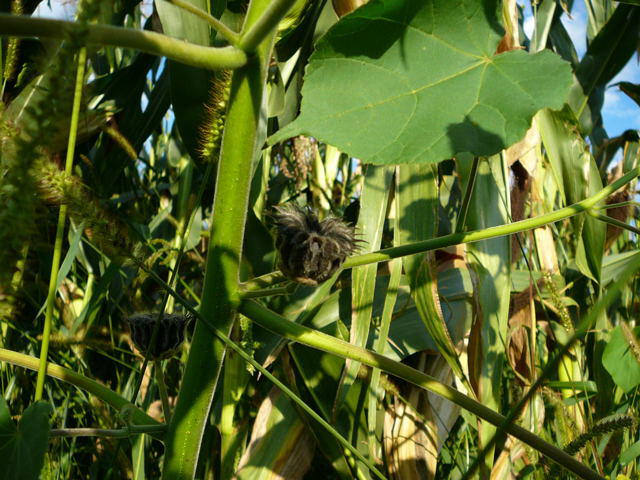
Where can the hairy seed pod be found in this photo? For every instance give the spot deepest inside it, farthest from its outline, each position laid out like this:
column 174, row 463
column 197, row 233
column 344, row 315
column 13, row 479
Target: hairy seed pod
column 311, row 250
column 168, row 339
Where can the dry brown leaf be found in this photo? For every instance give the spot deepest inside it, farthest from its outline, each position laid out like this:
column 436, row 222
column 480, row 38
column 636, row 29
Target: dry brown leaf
column 414, row 432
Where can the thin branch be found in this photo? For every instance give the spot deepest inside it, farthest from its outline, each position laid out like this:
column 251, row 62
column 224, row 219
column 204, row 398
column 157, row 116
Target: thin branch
column 103, row 432
column 162, row 388
column 460, row 237
column 251, row 38
column 103, row 393
column 210, row 58
column 231, row 36
column 258, row 366
column 492, row 232
column 270, row 292
column 321, row 341
column 62, row 220
column 613, row 221
column 263, row 281
column 608, row 206
column 466, row 201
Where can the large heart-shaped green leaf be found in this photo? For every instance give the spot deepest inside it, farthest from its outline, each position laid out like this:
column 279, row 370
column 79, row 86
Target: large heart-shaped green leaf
column 22, row 448
column 419, row 81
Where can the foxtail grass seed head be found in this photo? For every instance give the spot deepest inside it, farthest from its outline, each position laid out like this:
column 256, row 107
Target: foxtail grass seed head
column 215, row 112
column 168, row 339
column 32, row 142
column 102, row 226
column 310, row 250
column 601, row 427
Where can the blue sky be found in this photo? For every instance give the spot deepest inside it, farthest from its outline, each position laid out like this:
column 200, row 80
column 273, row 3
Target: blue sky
column 620, row 112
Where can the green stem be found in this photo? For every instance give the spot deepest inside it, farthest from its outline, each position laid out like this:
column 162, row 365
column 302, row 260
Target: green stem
column 321, row 341
column 103, row 393
column 62, row 218
column 255, row 33
column 162, row 388
column 217, row 25
column 262, row 282
column 210, row 58
column 466, row 200
column 587, row 204
column 609, row 206
column 269, row 292
column 614, row 222
column 220, row 291
column 258, row 366
column 581, row 330
column 113, row 433
column 492, row 232
column 184, row 218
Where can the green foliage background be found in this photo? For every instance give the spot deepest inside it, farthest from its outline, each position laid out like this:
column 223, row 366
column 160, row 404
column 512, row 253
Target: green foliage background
column 496, row 274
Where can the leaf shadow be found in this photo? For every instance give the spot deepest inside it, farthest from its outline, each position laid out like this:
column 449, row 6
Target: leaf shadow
column 377, row 28
column 469, row 136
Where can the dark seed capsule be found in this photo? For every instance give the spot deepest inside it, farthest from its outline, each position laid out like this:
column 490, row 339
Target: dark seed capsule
column 311, row 250
column 168, row 339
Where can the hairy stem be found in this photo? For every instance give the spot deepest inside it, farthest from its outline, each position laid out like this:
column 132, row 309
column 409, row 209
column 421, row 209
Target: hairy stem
column 210, row 58
column 220, row 292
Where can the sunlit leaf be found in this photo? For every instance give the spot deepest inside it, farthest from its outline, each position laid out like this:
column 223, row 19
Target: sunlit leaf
column 620, row 361
column 409, row 82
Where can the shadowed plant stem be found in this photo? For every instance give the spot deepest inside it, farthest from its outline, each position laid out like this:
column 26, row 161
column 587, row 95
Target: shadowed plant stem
column 461, row 221
column 104, row 432
column 62, row 218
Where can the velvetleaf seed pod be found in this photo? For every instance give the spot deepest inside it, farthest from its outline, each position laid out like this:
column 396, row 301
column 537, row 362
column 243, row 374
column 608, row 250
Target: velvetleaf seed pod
column 310, row 250
column 168, row 339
